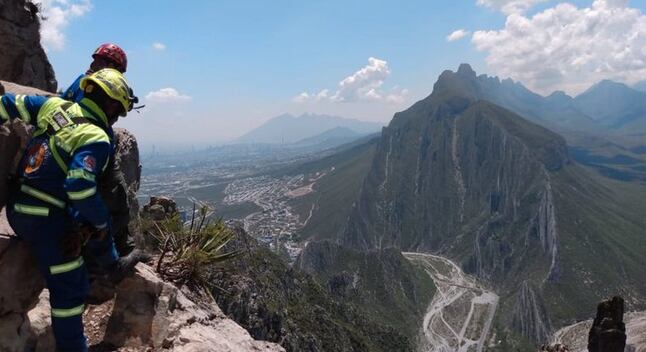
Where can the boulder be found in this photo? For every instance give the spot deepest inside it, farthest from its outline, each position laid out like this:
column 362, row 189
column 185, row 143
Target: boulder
column 151, row 313
column 159, row 208
column 23, row 283
column 15, row 88
column 40, row 320
column 23, row 59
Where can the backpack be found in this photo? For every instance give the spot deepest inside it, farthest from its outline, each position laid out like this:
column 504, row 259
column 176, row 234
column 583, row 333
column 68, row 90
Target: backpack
column 14, row 136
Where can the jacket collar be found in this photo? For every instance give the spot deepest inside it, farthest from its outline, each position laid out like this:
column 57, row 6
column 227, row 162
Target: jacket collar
column 94, row 111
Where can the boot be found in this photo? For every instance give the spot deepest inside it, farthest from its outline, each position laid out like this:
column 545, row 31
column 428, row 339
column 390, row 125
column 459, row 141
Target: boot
column 126, row 265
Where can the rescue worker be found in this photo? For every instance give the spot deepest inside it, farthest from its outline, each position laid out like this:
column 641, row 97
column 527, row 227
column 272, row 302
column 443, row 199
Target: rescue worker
column 113, row 189
column 107, row 55
column 55, row 205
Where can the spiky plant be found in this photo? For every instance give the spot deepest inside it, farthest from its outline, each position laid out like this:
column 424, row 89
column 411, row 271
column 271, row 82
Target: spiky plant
column 187, row 251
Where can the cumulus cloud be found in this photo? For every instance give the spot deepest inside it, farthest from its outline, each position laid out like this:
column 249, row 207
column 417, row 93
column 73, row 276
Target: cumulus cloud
column 159, row 46
column 363, row 85
column 167, row 95
column 457, row 35
column 57, row 15
column 510, row 6
column 569, row 48
column 301, row 98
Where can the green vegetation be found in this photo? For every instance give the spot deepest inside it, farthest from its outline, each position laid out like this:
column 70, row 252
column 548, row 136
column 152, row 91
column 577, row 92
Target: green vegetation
column 278, row 303
column 382, row 284
column 335, row 193
column 187, row 251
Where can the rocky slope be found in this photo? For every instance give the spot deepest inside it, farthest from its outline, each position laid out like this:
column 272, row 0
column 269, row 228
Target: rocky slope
column 23, row 60
column 458, row 175
column 278, row 303
column 382, row 284
column 150, row 314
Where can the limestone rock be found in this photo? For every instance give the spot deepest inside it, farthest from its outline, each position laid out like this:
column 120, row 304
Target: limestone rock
column 40, row 319
column 608, row 332
column 149, row 312
column 159, row 208
column 15, row 88
column 127, row 159
column 23, row 59
column 22, row 283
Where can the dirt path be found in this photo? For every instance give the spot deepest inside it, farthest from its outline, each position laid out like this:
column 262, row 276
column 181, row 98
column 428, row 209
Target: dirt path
column 576, row 336
column 460, row 315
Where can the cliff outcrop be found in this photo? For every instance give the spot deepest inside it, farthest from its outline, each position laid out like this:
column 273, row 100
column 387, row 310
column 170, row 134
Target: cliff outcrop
column 23, row 59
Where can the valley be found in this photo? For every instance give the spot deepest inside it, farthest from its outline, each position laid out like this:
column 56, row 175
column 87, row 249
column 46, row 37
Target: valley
column 462, row 311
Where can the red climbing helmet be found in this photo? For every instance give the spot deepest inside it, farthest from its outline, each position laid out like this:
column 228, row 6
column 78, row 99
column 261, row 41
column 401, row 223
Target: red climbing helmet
column 113, row 53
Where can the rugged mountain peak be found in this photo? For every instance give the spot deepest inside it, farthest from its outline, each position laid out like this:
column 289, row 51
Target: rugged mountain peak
column 466, row 71
column 456, row 88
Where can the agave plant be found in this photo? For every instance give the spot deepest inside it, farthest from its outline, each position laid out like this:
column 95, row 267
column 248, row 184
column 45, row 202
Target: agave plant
column 187, row 251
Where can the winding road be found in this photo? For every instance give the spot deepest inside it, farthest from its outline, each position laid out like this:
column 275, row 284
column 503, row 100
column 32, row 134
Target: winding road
column 461, row 313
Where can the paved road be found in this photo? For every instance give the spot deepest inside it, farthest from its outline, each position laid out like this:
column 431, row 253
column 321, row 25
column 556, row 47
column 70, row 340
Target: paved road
column 460, row 315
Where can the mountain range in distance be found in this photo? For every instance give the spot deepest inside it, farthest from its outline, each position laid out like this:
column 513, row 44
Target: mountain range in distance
column 459, row 175
column 307, row 129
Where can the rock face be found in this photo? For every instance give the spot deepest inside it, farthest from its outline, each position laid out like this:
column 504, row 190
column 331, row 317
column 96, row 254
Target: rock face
column 129, row 165
column 608, row 332
column 458, row 175
column 529, row 316
column 150, row 313
column 22, row 283
column 23, row 60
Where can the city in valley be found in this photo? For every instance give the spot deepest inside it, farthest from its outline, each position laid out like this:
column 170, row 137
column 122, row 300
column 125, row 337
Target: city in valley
column 252, row 192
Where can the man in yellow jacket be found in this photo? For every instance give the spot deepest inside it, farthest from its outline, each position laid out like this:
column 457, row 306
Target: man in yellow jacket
column 56, row 193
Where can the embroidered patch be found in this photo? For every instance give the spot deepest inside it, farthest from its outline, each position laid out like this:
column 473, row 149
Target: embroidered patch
column 89, row 163
column 61, row 120
column 35, row 157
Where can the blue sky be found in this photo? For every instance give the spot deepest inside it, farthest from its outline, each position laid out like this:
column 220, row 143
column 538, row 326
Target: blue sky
column 232, row 65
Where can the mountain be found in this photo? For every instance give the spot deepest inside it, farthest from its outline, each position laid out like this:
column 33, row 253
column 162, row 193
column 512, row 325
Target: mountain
column 612, row 104
column 290, row 129
column 606, row 107
column 459, row 175
column 334, row 136
column 640, row 86
column 341, row 312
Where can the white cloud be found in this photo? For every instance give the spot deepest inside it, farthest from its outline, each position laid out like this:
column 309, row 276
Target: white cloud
column 569, row 48
column 363, row 85
column 159, row 46
column 510, row 6
column 301, row 98
column 57, row 15
column 167, row 95
column 457, row 35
